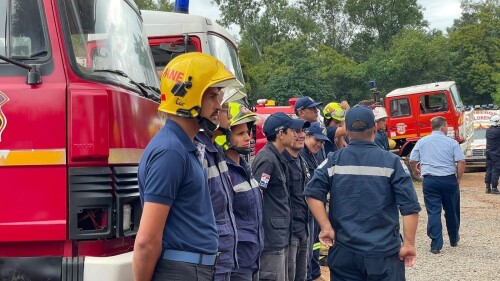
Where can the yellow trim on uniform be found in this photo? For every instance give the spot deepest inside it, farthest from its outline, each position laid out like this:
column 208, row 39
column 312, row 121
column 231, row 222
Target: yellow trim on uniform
column 33, row 157
column 125, row 155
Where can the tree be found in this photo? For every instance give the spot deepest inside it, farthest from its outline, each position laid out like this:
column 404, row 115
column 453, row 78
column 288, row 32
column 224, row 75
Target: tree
column 475, row 39
column 382, row 19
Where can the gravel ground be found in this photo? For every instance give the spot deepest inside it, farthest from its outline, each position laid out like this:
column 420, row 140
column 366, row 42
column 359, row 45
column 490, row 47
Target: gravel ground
column 477, row 255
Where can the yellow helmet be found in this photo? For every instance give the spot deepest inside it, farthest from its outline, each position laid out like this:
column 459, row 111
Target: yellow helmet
column 186, row 78
column 334, row 111
column 239, row 115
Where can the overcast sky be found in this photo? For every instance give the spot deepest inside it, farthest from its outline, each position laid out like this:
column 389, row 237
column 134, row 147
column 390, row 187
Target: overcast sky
column 439, row 13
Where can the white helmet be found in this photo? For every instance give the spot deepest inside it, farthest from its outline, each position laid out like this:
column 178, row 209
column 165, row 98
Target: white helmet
column 379, row 113
column 495, row 120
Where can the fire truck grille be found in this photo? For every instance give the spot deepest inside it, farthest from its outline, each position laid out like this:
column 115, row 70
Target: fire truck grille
column 104, row 202
column 478, row 152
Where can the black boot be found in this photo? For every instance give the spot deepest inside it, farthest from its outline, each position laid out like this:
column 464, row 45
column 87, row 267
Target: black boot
column 488, row 188
column 494, row 190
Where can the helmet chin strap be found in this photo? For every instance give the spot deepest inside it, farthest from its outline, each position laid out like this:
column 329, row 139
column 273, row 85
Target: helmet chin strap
column 242, row 150
column 208, row 126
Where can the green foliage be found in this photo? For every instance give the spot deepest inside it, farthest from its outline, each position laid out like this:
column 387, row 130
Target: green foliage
column 475, row 39
column 384, row 18
column 331, row 49
column 155, row 5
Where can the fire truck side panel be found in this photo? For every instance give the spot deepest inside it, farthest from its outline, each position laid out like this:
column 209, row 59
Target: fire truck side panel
column 33, row 152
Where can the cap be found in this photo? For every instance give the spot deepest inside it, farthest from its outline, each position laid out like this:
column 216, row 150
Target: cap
column 305, row 102
column 317, row 131
column 281, row 121
column 359, row 118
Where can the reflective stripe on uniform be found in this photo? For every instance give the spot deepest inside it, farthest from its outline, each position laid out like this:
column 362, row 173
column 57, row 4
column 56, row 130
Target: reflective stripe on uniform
column 213, row 171
column 242, row 187
column 360, row 170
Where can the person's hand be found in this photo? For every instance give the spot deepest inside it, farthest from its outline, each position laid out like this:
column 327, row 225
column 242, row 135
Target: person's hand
column 345, row 106
column 408, row 254
column 327, row 237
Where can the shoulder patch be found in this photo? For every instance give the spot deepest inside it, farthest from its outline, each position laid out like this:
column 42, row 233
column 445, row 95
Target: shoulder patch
column 264, row 180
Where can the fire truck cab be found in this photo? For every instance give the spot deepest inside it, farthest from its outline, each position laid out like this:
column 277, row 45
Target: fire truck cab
column 411, row 109
column 78, row 105
column 172, row 34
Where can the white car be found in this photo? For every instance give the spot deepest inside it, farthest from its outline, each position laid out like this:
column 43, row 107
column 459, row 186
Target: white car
column 475, row 155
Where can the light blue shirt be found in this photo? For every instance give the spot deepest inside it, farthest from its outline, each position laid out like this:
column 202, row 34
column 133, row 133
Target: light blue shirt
column 437, row 154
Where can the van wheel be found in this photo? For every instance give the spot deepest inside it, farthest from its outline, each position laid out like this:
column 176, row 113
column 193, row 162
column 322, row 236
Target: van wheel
column 413, row 177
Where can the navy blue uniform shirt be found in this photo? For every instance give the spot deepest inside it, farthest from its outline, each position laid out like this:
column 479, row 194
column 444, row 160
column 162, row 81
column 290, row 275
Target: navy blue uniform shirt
column 220, row 187
column 247, row 206
column 170, row 173
column 367, row 186
column 381, row 140
column 298, row 176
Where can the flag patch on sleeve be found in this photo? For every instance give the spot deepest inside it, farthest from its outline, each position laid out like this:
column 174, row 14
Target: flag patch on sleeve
column 264, row 180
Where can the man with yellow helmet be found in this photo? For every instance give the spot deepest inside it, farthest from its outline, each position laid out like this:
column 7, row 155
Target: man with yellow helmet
column 247, row 201
column 178, row 233
column 334, row 114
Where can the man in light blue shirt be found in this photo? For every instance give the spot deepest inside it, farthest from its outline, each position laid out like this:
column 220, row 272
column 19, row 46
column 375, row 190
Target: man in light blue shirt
column 437, row 154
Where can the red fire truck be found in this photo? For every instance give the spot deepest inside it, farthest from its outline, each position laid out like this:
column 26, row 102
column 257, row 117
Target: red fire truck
column 263, row 109
column 411, row 109
column 77, row 106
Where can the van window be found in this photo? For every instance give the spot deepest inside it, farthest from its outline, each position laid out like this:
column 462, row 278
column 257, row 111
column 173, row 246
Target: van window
column 400, row 107
column 22, row 29
column 433, row 103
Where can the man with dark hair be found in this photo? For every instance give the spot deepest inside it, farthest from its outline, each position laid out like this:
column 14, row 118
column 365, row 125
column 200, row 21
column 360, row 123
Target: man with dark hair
column 270, row 170
column 367, row 186
column 307, row 109
column 438, row 155
column 178, row 232
column 298, row 176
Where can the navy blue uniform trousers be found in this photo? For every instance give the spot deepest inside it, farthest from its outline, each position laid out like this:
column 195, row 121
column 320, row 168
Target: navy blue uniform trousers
column 348, row 266
column 442, row 191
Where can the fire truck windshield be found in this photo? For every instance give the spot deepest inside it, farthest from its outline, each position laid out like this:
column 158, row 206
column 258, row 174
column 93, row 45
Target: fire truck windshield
column 108, row 34
column 226, row 52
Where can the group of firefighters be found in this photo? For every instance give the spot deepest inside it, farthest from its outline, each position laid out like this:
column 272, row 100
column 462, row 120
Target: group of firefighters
column 210, row 215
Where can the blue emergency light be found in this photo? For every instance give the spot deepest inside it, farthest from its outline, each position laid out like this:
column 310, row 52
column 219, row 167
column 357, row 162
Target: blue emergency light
column 181, row 6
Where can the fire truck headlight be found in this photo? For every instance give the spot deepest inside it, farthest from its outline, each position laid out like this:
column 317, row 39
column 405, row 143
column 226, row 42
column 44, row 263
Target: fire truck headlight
column 468, row 153
column 127, row 212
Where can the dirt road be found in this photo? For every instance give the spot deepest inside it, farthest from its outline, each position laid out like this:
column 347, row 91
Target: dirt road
column 476, row 257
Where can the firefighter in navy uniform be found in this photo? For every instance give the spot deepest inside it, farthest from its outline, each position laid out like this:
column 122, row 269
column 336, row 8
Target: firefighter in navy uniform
column 247, row 199
column 270, row 170
column 177, row 238
column 314, row 145
column 493, row 153
column 368, row 186
column 220, row 185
